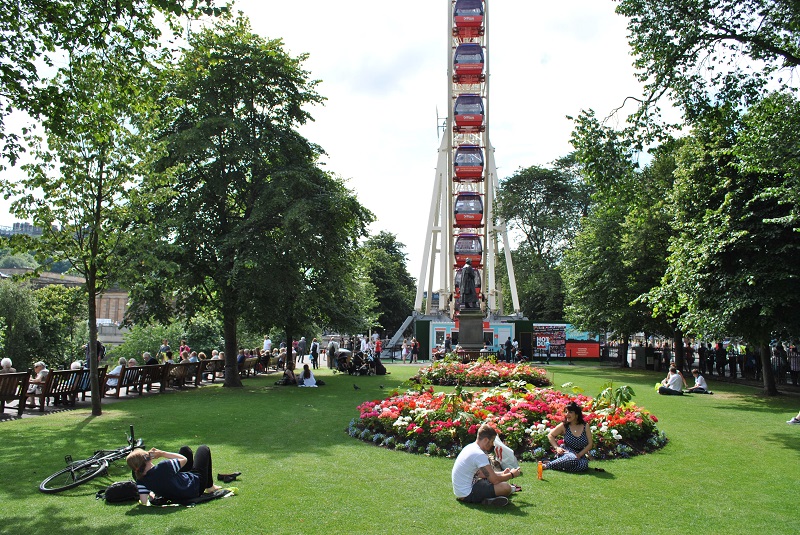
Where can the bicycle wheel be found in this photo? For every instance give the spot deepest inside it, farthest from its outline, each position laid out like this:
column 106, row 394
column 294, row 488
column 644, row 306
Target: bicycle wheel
column 73, row 475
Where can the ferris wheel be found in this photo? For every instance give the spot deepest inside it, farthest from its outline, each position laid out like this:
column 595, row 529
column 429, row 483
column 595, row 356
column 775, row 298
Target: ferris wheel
column 463, row 224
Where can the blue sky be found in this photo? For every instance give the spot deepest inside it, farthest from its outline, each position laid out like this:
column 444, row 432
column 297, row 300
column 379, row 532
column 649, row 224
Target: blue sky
column 383, row 71
column 384, row 74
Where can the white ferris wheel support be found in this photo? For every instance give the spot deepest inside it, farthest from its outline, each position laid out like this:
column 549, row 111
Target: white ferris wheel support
column 441, row 235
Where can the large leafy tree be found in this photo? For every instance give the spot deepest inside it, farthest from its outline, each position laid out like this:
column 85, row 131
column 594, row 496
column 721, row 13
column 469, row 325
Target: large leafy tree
column 82, row 188
column 596, row 294
column 37, row 31
column 734, row 256
column 62, row 315
column 19, row 323
column 394, row 285
column 700, row 52
column 256, row 228
column 545, row 206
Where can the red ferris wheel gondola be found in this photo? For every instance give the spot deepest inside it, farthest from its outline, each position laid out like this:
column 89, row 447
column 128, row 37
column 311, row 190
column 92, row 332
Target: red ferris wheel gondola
column 468, row 64
column 468, row 246
column 468, row 114
column 468, row 210
column 468, row 164
column 468, row 19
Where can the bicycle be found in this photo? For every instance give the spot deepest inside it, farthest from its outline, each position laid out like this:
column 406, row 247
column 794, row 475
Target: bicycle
column 79, row 472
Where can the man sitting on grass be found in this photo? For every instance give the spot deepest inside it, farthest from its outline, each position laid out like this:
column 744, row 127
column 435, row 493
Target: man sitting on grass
column 700, row 385
column 474, row 479
column 671, row 385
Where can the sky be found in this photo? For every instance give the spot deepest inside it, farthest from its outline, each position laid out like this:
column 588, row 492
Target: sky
column 382, row 67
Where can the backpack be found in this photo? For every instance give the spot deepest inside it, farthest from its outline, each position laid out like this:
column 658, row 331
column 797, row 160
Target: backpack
column 120, row 492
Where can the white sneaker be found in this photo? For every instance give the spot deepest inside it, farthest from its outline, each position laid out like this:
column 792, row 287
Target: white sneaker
column 793, row 421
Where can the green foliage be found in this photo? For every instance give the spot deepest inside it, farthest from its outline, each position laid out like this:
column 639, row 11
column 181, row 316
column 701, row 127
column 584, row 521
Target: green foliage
column 39, row 34
column 252, row 226
column 545, row 206
column 140, row 338
column 62, row 315
column 619, row 254
column 18, row 261
column 613, row 398
column 700, row 53
column 387, row 271
column 19, row 323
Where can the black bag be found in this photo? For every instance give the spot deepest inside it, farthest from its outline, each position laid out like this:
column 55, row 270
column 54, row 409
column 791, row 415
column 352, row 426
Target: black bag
column 120, row 492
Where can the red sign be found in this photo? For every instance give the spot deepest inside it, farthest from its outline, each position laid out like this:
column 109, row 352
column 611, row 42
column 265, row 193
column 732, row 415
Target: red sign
column 583, row 350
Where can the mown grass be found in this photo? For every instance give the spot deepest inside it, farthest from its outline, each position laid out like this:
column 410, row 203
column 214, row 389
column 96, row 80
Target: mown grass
column 731, row 466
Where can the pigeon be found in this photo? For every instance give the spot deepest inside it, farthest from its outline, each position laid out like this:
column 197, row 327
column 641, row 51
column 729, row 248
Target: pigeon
column 381, row 387
column 356, row 387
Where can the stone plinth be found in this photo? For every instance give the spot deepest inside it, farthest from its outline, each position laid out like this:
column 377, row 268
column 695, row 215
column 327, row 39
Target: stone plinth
column 470, row 329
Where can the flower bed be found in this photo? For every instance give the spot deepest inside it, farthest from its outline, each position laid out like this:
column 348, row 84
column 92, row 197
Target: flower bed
column 441, row 424
column 479, row 373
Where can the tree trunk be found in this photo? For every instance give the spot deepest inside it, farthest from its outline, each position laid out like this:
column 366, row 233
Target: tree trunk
column 290, row 360
column 770, row 389
column 622, row 352
column 677, row 344
column 232, row 378
column 94, row 379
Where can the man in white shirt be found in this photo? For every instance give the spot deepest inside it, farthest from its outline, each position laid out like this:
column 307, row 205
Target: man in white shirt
column 474, row 479
column 671, row 385
column 267, row 345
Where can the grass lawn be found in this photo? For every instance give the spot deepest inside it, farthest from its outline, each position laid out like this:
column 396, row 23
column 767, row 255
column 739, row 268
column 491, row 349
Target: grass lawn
column 731, row 466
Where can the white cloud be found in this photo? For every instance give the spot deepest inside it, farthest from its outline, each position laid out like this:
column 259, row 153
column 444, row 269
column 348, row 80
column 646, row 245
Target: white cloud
column 384, row 73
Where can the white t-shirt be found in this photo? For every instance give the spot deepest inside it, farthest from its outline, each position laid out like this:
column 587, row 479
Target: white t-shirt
column 114, row 381
column 468, row 462
column 700, row 382
column 674, row 382
column 310, row 381
column 267, row 345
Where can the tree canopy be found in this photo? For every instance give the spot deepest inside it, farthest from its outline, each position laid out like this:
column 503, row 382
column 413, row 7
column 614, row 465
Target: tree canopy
column 701, row 52
column 253, row 225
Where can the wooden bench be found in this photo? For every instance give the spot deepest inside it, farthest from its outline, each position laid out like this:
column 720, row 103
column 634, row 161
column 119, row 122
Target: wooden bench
column 180, row 373
column 154, row 373
column 60, row 384
column 248, row 366
column 209, row 367
column 14, row 386
column 129, row 377
column 85, row 384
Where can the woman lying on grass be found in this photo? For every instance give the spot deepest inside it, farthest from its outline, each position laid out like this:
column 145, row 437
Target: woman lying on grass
column 181, row 477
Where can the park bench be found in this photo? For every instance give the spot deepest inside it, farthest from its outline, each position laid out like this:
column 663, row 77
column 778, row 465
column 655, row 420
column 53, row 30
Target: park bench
column 209, row 368
column 154, row 373
column 180, row 373
column 248, row 366
column 60, row 384
column 14, row 386
column 85, row 384
column 130, row 377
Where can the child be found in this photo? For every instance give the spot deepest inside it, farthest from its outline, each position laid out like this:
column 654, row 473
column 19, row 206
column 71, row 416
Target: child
column 700, row 385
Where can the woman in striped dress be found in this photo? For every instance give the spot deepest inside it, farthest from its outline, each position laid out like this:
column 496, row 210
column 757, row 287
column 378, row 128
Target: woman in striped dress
column 573, row 453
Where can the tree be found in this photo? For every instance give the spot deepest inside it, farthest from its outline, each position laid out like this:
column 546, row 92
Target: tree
column 62, row 316
column 394, row 285
column 82, row 188
column 19, row 323
column 35, row 31
column 597, row 292
column 545, row 206
column 734, row 255
column 539, row 285
column 258, row 230
column 699, row 52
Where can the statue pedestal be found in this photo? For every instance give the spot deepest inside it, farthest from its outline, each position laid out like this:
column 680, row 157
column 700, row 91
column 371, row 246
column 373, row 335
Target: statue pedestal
column 470, row 329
